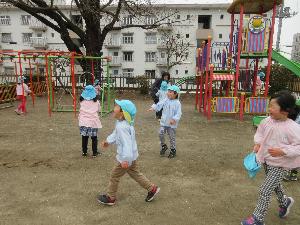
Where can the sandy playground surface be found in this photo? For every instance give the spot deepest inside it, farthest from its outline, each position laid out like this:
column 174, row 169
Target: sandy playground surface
column 44, row 179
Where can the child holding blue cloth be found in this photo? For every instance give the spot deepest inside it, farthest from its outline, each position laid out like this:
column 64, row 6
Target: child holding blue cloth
column 171, row 115
column 127, row 153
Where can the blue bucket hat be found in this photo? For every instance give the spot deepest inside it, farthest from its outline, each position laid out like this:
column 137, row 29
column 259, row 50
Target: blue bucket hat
column 174, row 88
column 261, row 74
column 20, row 79
column 164, row 86
column 128, row 108
column 89, row 93
column 251, row 165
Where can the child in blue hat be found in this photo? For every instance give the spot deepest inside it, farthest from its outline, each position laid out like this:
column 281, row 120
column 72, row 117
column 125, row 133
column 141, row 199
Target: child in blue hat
column 171, row 115
column 162, row 94
column 89, row 121
column 127, row 153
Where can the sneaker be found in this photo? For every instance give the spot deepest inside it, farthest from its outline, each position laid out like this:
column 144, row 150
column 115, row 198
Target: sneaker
column 17, row 111
column 152, row 193
column 96, row 154
column 84, row 154
column 251, row 221
column 106, row 200
column 290, row 176
column 172, row 154
column 163, row 149
column 284, row 211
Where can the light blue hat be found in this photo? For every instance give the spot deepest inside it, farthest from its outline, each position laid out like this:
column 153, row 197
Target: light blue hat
column 174, row 88
column 20, row 79
column 251, row 164
column 164, row 86
column 89, row 93
column 261, row 74
column 96, row 82
column 128, row 108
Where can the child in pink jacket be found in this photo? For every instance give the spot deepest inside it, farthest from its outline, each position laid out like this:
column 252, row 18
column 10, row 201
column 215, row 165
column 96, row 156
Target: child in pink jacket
column 89, row 121
column 22, row 91
column 277, row 144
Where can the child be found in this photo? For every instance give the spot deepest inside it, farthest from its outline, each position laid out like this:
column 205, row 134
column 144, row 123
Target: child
column 89, row 121
column 291, row 175
column 127, row 153
column 277, row 144
column 162, row 94
column 169, row 121
column 260, row 76
column 22, row 92
column 98, row 89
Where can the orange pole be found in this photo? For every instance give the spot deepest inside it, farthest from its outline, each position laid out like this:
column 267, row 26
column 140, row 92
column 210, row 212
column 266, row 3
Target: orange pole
column 211, row 72
column 31, row 83
column 48, row 86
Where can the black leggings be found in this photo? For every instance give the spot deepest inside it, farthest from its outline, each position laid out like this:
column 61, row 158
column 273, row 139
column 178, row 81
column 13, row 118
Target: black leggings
column 159, row 113
column 85, row 140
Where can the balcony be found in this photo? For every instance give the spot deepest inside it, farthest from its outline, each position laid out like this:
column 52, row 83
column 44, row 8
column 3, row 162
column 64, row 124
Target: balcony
column 39, row 42
column 203, row 34
column 161, row 62
column 37, row 25
column 116, row 61
column 113, row 43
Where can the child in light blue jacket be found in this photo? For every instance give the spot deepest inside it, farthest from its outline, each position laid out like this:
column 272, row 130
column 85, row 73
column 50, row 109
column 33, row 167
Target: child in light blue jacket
column 127, row 153
column 170, row 118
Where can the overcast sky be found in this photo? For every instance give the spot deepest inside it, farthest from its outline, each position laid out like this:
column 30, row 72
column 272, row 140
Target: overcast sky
column 290, row 26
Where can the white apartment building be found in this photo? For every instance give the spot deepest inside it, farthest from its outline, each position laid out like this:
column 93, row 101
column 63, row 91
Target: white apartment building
column 134, row 51
column 296, row 47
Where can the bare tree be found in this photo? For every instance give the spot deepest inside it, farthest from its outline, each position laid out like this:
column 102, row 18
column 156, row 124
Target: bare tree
column 177, row 48
column 91, row 14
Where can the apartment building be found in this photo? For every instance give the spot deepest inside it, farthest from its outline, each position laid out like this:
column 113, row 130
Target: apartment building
column 134, row 51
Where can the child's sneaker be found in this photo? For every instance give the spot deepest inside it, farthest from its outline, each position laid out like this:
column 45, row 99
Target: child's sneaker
column 106, row 200
column 290, row 176
column 163, row 149
column 251, row 221
column 172, row 153
column 96, row 154
column 152, row 193
column 17, row 111
column 84, row 154
column 284, row 211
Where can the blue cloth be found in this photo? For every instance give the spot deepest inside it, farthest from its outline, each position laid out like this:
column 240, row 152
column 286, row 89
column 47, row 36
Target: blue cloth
column 164, row 86
column 171, row 110
column 89, row 93
column 128, row 108
column 96, row 82
column 124, row 137
column 261, row 74
column 251, row 164
column 174, row 88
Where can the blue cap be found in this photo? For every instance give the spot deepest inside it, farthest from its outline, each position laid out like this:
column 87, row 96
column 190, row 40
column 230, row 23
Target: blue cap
column 164, row 86
column 174, row 88
column 89, row 93
column 261, row 74
column 128, row 108
column 251, row 164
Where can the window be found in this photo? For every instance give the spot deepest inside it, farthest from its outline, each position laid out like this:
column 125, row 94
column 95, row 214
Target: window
column 116, row 54
column 128, row 38
column 127, row 20
column 186, row 72
column 176, row 72
column 52, row 35
column 115, row 72
column 6, row 37
column 220, row 35
column 162, row 55
column 150, row 56
column 204, row 21
column 128, row 56
column 25, row 19
column 188, row 17
column 26, row 37
column 150, row 73
column 39, row 35
column 150, row 20
column 178, row 17
column 128, row 72
column 151, row 38
column 187, row 36
column 5, row 20
column 222, row 17
column 9, row 70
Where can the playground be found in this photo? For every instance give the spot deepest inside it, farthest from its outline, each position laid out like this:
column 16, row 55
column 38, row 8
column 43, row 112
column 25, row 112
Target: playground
column 45, row 180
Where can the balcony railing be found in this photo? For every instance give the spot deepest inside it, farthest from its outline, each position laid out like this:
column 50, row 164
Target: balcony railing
column 37, row 25
column 116, row 61
column 39, row 42
column 5, row 21
column 113, row 42
column 161, row 62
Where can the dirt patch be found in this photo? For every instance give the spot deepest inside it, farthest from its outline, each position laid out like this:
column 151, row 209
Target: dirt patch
column 44, row 179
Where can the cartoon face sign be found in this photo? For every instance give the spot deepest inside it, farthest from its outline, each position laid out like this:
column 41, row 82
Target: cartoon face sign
column 257, row 24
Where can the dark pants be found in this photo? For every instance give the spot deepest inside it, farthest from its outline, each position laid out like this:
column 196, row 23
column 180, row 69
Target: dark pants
column 85, row 140
column 159, row 113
